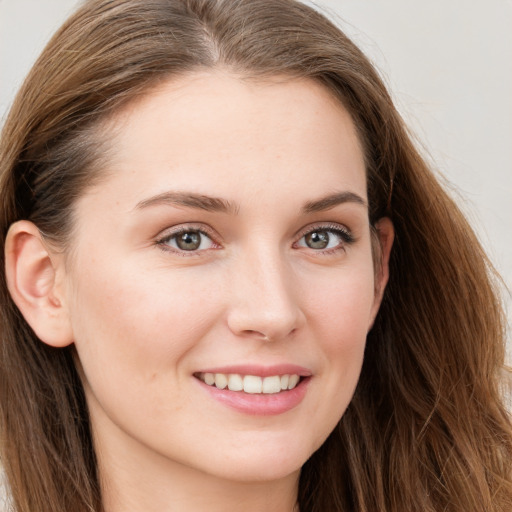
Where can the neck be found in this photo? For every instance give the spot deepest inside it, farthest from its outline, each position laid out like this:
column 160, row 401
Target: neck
column 134, row 479
column 181, row 489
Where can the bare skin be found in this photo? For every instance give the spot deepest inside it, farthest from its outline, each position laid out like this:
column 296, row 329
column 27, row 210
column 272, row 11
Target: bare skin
column 230, row 232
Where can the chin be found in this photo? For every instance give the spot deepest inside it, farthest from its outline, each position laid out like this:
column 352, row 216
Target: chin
column 255, row 471
column 264, row 462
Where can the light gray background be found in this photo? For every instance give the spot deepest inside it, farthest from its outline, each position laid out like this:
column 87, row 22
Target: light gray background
column 448, row 64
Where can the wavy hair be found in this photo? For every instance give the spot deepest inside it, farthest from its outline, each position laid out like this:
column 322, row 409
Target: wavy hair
column 426, row 429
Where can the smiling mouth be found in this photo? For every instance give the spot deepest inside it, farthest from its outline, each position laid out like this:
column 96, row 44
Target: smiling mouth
column 251, row 384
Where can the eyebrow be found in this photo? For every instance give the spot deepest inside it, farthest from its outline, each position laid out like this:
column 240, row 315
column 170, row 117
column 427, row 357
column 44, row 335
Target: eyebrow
column 333, row 200
column 217, row 204
column 190, row 200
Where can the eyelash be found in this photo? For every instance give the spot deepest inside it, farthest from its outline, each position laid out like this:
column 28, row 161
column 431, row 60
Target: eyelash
column 342, row 233
column 345, row 236
column 163, row 241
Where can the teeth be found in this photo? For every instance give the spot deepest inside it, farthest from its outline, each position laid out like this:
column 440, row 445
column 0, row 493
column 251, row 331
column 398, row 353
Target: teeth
column 221, row 380
column 292, row 381
column 251, row 383
column 235, row 382
column 272, row 384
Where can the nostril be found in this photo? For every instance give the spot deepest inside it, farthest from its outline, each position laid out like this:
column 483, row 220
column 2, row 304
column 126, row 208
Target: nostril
column 258, row 334
column 264, row 321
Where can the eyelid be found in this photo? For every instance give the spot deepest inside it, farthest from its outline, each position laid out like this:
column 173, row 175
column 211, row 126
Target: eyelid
column 161, row 239
column 327, row 226
column 341, row 230
column 168, row 233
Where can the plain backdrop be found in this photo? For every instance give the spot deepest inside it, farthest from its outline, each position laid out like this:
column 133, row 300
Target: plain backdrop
column 448, row 64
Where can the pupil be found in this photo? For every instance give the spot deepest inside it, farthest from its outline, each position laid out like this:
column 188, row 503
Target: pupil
column 317, row 239
column 189, row 241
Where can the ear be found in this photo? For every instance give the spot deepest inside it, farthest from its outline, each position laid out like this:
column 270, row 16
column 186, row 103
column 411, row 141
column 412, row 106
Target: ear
column 385, row 234
column 33, row 273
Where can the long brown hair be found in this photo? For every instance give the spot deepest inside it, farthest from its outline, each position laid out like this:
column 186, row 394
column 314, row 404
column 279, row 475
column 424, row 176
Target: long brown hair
column 427, row 429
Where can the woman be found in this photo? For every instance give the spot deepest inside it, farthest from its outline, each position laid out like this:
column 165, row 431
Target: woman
column 212, row 211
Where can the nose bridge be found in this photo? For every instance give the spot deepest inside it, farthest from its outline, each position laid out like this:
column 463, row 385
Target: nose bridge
column 265, row 302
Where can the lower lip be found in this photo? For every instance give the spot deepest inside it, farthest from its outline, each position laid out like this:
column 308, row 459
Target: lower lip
column 259, row 404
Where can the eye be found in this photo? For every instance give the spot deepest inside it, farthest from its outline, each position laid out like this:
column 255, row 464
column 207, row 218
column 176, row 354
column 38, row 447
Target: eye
column 188, row 240
column 322, row 239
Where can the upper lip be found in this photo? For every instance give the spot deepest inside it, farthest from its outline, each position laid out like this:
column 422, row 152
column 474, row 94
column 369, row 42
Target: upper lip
column 259, row 370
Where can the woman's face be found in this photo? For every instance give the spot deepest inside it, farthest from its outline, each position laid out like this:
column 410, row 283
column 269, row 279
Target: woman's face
column 228, row 242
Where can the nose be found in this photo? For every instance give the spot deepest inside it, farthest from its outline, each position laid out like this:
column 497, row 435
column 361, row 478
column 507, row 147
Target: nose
column 265, row 301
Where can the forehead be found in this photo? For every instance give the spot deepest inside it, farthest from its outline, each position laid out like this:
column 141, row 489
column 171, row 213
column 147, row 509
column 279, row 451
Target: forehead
column 213, row 128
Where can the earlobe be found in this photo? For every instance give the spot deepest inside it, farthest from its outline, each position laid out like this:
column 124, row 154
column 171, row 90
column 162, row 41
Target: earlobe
column 32, row 282
column 385, row 235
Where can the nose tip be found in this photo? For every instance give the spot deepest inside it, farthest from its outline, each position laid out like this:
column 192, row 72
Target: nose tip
column 265, row 305
column 267, row 328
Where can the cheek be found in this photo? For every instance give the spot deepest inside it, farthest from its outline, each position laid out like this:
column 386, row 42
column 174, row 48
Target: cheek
column 339, row 312
column 340, row 308
column 134, row 332
column 136, row 324
column 340, row 316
